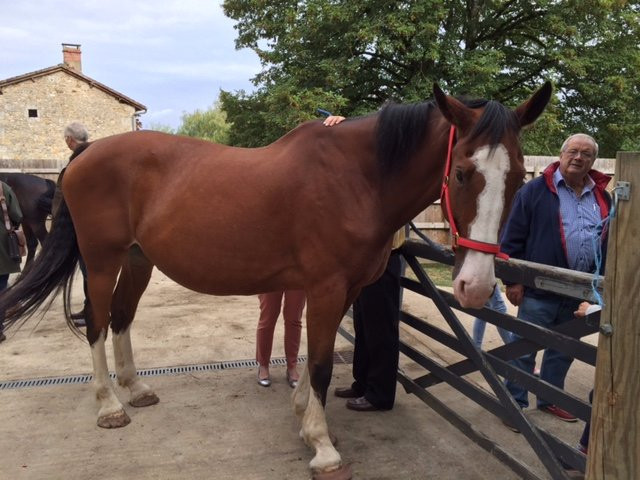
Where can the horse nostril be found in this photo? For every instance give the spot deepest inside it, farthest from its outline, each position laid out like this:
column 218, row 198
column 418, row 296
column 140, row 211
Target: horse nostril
column 461, row 287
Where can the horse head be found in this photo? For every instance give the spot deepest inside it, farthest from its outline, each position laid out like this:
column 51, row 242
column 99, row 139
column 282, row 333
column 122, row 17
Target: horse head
column 484, row 170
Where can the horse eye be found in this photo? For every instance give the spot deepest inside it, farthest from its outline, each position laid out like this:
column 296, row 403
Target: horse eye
column 459, row 176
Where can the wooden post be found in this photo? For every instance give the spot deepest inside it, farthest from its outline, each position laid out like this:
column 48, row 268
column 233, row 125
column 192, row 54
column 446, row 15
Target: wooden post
column 614, row 444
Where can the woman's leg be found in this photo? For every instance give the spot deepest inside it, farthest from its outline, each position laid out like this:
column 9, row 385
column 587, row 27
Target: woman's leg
column 294, row 301
column 269, row 312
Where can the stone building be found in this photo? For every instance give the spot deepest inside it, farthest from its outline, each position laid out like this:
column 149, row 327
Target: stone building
column 36, row 107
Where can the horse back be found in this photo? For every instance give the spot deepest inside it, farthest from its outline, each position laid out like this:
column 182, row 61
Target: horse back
column 272, row 210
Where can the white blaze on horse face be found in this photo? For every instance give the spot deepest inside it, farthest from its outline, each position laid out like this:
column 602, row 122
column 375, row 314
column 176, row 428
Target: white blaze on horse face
column 475, row 281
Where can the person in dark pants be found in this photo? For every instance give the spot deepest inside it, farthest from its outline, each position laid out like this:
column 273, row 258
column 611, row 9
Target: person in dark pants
column 76, row 138
column 376, row 316
column 7, row 264
column 375, row 358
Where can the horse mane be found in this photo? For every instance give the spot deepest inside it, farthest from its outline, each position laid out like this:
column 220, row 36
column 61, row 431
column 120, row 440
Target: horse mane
column 496, row 119
column 400, row 128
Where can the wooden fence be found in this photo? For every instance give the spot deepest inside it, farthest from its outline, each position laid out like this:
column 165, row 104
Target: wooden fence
column 42, row 168
column 550, row 449
column 614, row 445
column 432, row 222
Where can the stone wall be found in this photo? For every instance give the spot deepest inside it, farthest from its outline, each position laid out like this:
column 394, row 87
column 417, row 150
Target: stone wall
column 59, row 99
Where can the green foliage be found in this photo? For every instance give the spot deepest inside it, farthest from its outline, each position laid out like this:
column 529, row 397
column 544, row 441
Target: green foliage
column 209, row 125
column 439, row 273
column 261, row 118
column 352, row 56
column 159, row 127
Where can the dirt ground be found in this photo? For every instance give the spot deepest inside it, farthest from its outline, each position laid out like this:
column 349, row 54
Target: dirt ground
column 221, row 424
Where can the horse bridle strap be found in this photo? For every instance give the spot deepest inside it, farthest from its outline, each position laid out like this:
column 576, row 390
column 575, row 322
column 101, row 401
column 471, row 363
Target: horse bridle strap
column 457, row 240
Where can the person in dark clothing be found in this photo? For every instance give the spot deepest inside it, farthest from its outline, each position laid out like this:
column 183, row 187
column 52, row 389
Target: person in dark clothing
column 76, row 138
column 7, row 264
column 377, row 341
column 376, row 317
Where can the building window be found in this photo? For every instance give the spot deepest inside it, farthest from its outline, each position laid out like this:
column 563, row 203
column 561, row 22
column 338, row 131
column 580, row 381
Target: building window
column 33, row 113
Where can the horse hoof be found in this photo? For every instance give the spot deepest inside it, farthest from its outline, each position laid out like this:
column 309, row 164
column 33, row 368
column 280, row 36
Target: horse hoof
column 144, row 400
column 341, row 473
column 114, row 420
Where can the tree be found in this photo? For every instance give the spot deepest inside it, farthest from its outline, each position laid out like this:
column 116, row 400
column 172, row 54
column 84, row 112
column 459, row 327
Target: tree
column 354, row 55
column 260, row 118
column 209, row 125
column 160, row 127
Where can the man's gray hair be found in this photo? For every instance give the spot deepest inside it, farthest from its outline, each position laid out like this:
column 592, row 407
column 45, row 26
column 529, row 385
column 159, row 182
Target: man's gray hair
column 76, row 131
column 585, row 137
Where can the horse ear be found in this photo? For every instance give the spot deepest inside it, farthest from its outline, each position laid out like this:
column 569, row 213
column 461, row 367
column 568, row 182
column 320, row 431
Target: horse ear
column 453, row 110
column 532, row 108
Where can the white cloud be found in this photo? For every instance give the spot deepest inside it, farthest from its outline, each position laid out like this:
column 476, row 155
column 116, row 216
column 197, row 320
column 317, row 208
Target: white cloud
column 171, row 55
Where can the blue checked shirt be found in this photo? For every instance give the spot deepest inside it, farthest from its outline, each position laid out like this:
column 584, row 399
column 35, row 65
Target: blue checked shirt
column 580, row 222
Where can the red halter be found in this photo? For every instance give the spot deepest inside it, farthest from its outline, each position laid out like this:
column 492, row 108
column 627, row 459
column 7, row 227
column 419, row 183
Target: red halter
column 457, row 240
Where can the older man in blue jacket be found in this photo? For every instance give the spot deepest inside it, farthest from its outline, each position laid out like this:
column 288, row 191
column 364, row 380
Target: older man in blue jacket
column 556, row 219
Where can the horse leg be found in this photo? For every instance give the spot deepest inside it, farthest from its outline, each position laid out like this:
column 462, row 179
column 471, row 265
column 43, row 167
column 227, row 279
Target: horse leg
column 324, row 313
column 39, row 228
column 102, row 271
column 134, row 278
column 32, row 242
column 300, row 395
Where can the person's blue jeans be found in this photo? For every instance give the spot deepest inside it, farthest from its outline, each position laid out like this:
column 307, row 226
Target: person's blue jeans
column 546, row 312
column 496, row 303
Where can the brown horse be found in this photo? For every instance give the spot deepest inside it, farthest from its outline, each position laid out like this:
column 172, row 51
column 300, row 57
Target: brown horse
column 315, row 210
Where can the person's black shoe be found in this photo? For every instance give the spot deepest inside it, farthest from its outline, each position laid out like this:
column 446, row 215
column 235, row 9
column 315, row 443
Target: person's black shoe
column 78, row 316
column 361, row 404
column 79, row 322
column 2, row 337
column 345, row 392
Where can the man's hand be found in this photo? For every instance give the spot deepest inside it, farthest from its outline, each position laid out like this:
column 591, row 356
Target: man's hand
column 586, row 308
column 582, row 309
column 515, row 293
column 332, row 120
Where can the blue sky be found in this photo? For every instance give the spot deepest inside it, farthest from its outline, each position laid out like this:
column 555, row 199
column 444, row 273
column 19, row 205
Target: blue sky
column 173, row 56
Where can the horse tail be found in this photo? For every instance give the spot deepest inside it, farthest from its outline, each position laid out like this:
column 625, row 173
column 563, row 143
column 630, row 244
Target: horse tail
column 49, row 272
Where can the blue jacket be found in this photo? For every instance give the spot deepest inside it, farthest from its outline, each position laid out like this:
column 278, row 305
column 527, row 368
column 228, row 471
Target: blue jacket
column 534, row 232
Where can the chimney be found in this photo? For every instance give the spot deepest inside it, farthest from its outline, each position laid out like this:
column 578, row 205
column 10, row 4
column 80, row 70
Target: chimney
column 72, row 56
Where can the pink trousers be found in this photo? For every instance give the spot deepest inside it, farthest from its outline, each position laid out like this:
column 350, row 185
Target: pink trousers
column 270, row 304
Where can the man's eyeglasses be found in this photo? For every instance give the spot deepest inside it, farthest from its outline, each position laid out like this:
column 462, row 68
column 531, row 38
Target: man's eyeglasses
column 575, row 153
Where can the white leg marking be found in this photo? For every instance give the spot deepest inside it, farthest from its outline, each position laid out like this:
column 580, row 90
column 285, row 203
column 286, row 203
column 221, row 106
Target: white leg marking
column 109, row 403
column 300, row 395
column 316, row 434
column 476, row 278
column 125, row 366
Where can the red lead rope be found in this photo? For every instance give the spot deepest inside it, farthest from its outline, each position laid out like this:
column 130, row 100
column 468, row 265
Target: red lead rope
column 457, row 240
